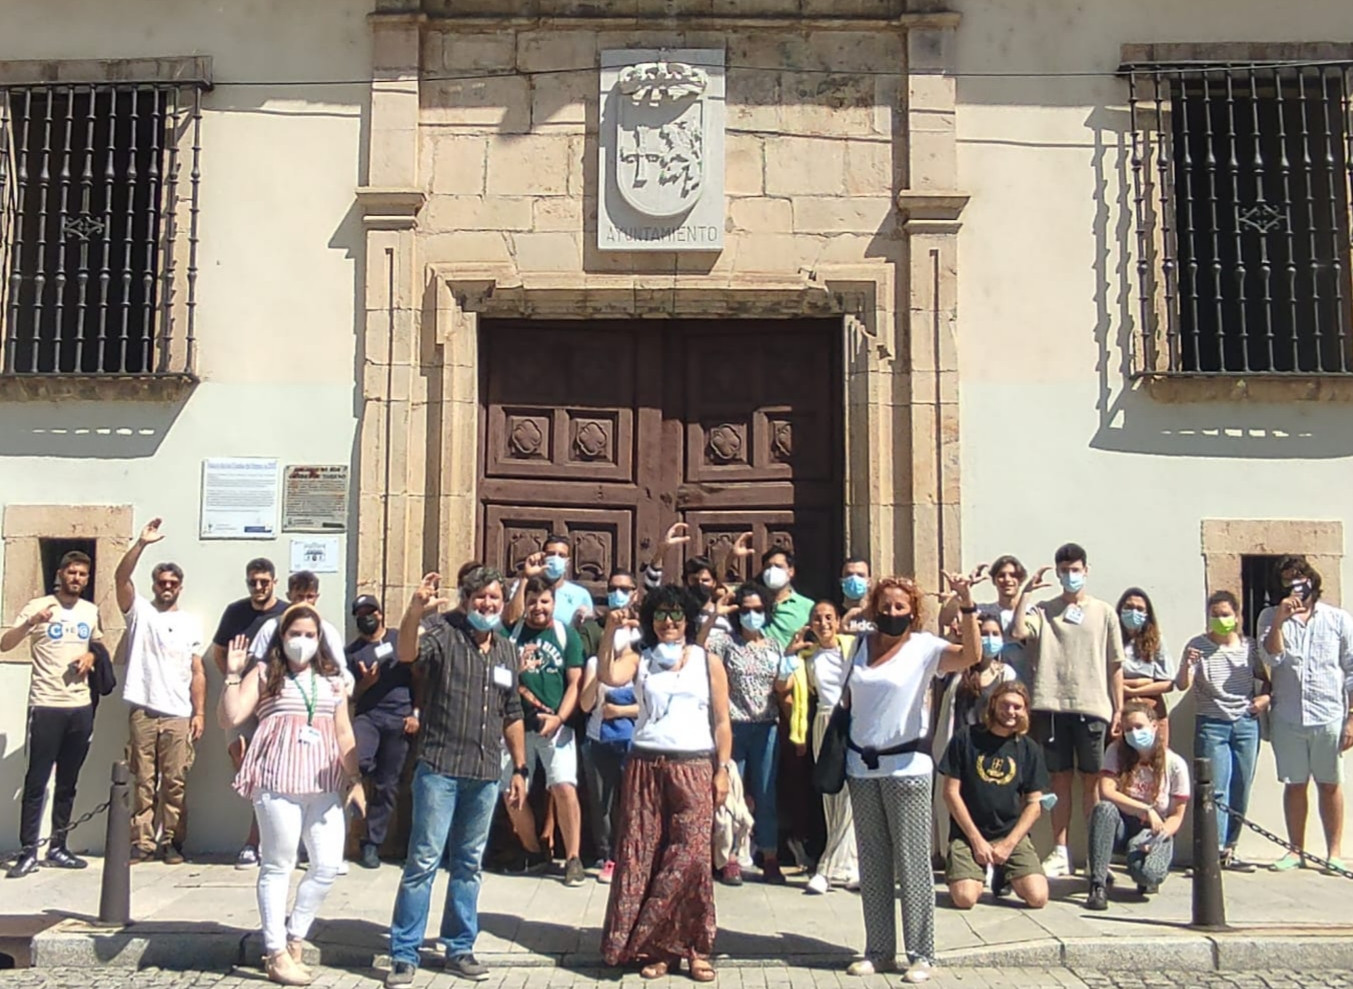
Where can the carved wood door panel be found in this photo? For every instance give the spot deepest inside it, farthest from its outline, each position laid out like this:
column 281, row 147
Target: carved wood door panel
column 609, row 431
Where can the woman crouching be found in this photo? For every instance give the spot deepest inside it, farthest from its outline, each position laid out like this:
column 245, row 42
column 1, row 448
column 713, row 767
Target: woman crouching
column 661, row 908
column 1145, row 790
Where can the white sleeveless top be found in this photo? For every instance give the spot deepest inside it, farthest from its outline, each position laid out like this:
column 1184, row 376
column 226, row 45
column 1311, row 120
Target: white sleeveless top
column 674, row 712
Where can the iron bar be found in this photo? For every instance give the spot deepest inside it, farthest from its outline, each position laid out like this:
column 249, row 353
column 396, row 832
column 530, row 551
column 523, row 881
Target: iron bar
column 1290, row 236
column 196, row 179
column 1240, row 274
column 64, row 176
column 86, row 205
column 1165, row 205
column 106, row 270
column 168, row 220
column 6, row 197
column 152, row 227
column 1338, row 214
column 1312, row 238
column 1218, row 269
column 40, row 270
column 1265, row 264
column 128, row 242
column 1189, row 244
column 1145, row 285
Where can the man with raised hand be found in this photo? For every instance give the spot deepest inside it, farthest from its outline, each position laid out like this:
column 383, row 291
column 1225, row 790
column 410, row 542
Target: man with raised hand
column 166, row 687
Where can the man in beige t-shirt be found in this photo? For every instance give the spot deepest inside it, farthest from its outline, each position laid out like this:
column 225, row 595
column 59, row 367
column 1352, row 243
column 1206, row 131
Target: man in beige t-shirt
column 59, row 628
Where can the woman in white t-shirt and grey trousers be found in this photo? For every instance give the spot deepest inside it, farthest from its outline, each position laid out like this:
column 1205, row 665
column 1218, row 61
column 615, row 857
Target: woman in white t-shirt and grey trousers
column 889, row 768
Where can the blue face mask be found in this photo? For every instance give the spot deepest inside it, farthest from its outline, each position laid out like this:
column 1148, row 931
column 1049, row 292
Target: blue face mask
column 484, row 623
column 618, row 599
column 1141, row 739
column 753, row 621
column 1048, row 801
column 854, row 587
column 555, row 566
column 1133, row 620
column 667, row 654
column 992, row 646
column 1072, row 581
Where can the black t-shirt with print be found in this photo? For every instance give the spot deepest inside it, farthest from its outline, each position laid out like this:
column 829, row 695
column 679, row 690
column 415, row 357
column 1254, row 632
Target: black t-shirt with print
column 995, row 773
column 242, row 618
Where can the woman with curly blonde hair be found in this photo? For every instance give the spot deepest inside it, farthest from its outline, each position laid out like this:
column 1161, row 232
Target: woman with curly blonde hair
column 889, row 766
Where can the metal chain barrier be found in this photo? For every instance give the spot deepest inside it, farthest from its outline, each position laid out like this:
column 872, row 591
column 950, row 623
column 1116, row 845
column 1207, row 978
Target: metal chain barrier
column 1263, row 832
column 62, row 832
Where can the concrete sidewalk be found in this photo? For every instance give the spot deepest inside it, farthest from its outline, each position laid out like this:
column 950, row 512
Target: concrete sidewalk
column 203, row 916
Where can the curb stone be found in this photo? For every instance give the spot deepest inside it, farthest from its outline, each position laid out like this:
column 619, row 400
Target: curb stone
column 74, row 945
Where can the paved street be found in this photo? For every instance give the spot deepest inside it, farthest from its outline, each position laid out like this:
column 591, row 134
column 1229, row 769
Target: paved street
column 729, row 978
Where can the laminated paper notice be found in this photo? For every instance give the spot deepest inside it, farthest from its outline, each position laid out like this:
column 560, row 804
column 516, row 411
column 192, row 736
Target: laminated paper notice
column 315, row 498
column 239, row 498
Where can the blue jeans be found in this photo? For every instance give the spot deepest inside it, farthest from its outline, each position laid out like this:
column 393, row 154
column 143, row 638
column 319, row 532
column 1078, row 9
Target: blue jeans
column 755, row 747
column 451, row 814
column 1233, row 747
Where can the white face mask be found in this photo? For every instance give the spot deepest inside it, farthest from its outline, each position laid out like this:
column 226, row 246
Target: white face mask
column 775, row 577
column 300, row 650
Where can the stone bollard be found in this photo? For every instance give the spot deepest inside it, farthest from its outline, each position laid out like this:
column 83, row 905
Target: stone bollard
column 115, row 893
column 1209, row 904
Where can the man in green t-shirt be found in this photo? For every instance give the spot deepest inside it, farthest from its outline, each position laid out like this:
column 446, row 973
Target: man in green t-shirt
column 549, row 668
column 791, row 608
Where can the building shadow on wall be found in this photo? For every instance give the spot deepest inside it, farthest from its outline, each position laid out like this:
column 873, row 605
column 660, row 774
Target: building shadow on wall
column 1129, row 419
column 113, row 430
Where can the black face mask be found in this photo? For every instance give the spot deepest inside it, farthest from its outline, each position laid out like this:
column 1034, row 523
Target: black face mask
column 701, row 592
column 893, row 625
column 367, row 624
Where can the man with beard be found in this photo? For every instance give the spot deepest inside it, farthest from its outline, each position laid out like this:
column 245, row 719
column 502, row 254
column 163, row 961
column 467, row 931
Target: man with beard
column 995, row 778
column 60, row 629
column 166, row 687
column 245, row 617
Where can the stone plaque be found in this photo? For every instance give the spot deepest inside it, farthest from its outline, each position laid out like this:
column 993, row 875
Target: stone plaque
column 661, row 148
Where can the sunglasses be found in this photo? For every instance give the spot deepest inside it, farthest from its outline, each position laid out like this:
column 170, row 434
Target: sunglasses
column 669, row 616
column 262, row 582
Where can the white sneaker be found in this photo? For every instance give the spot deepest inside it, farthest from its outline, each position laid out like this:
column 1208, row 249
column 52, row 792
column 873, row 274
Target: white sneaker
column 818, row 884
column 343, row 867
column 1057, row 864
column 868, row 966
column 853, row 884
column 917, row 971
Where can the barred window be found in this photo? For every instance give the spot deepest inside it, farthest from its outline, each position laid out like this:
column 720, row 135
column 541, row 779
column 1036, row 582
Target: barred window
column 98, row 227
column 1242, row 199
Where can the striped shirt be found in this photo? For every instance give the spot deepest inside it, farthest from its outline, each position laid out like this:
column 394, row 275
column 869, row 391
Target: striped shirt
column 1311, row 676
column 293, row 753
column 471, row 696
column 1227, row 679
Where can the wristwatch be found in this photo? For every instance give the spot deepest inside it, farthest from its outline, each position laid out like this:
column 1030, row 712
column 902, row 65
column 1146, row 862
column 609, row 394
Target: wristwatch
column 522, row 771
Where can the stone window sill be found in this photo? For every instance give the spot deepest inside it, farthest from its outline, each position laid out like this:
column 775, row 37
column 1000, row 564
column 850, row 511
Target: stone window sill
column 96, row 387
column 1260, row 388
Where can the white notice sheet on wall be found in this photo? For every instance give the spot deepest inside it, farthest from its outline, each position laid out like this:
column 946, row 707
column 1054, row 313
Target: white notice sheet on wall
column 239, row 498
column 318, row 555
column 314, row 498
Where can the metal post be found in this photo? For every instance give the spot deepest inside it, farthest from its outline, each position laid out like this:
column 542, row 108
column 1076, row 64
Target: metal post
column 115, row 894
column 1209, row 905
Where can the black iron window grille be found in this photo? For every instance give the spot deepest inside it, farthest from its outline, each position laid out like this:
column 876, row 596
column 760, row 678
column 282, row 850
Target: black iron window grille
column 98, row 227
column 1241, row 184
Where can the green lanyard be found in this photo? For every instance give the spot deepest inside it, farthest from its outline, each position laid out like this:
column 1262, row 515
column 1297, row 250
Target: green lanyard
column 312, row 699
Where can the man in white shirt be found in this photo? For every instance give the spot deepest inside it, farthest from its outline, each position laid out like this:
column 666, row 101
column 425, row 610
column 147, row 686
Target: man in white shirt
column 166, row 686
column 303, row 588
column 1308, row 646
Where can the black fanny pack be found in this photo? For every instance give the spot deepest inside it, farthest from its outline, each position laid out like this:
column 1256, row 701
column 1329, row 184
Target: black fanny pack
column 871, row 756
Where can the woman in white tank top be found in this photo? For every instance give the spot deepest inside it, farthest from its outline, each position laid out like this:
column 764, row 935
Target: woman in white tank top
column 674, row 779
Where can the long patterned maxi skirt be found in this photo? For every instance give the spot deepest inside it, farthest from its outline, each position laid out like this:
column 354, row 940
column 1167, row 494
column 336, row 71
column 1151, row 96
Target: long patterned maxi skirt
column 662, row 896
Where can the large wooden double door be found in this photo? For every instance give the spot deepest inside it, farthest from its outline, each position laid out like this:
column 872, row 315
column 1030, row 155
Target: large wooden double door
column 609, row 431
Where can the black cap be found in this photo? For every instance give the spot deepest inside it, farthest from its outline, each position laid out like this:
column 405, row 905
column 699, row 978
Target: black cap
column 365, row 602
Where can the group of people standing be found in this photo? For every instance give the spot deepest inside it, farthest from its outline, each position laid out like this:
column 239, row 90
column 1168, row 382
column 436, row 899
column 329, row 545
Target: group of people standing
column 667, row 704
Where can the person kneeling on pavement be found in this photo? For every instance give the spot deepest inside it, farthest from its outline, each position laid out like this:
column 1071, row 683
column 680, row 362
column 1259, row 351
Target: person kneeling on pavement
column 995, row 779
column 1145, row 790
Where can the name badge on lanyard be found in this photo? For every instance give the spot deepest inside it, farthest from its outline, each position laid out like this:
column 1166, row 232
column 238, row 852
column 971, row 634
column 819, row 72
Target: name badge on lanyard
column 307, row 735
column 502, row 677
column 1074, row 615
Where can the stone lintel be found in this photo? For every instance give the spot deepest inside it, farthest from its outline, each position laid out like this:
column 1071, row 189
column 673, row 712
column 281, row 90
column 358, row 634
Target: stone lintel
column 490, row 23
column 385, row 208
column 1232, row 52
column 928, row 204
column 183, row 69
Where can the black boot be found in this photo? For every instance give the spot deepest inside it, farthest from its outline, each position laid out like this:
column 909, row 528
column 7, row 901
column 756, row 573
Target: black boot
column 58, row 857
column 26, row 862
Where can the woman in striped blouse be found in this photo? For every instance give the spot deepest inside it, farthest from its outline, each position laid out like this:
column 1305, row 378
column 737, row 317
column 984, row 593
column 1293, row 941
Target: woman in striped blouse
column 301, row 762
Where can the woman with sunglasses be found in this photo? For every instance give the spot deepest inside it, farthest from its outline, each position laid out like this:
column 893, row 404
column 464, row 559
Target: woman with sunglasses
column 661, row 907
column 889, row 767
column 759, row 677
